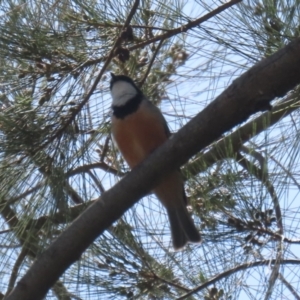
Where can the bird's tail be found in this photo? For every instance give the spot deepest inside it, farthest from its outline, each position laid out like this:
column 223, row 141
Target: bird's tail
column 182, row 226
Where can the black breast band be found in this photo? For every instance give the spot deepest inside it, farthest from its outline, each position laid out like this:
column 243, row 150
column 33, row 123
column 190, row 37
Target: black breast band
column 128, row 108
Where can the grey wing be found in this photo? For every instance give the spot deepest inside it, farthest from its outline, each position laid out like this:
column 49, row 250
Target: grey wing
column 157, row 111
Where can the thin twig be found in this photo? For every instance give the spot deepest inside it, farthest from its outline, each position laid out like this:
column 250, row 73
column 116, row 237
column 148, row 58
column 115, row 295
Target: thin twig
column 60, row 217
column 187, row 26
column 114, row 25
column 171, row 32
column 105, row 148
column 237, row 269
column 289, row 286
column 286, row 171
column 151, row 62
column 262, row 175
column 97, row 182
column 23, row 195
column 275, row 271
column 131, row 14
column 61, row 291
column 15, row 270
column 254, row 154
column 96, row 82
column 99, row 165
column 73, row 194
column 174, row 284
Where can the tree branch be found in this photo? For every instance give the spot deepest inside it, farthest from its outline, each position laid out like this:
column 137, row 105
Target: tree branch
column 171, row 32
column 235, row 270
column 99, row 165
column 262, row 175
column 61, row 291
column 242, row 135
column 289, row 286
column 26, row 193
column 252, row 92
column 15, row 270
column 96, row 81
column 151, row 62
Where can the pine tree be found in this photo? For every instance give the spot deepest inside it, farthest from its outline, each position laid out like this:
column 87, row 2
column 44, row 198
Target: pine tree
column 57, row 156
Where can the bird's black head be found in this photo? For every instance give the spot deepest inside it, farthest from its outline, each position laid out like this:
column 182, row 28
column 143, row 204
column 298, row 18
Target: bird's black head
column 126, row 96
column 123, row 89
column 116, row 78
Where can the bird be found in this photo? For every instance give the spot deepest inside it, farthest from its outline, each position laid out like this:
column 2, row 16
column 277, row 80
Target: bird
column 138, row 128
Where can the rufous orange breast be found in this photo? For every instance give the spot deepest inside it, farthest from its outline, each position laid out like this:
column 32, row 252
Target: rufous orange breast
column 138, row 134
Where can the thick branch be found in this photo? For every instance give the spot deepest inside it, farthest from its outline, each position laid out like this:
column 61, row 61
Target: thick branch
column 242, row 135
column 252, row 92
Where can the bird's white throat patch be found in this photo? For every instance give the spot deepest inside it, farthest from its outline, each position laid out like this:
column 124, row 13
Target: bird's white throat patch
column 121, row 92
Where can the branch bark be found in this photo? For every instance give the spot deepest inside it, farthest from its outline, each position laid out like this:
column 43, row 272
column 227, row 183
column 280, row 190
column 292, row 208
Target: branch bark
column 236, row 139
column 251, row 93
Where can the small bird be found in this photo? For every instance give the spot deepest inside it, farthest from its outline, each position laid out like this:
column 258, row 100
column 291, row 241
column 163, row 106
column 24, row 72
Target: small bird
column 138, row 128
